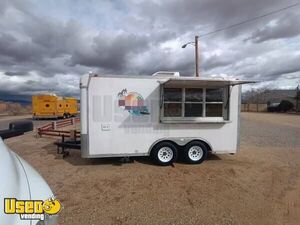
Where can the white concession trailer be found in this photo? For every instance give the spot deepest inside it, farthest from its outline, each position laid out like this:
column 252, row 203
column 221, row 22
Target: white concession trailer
column 162, row 116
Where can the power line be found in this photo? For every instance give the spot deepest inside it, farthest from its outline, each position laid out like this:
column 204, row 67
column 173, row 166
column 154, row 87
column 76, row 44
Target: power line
column 250, row 20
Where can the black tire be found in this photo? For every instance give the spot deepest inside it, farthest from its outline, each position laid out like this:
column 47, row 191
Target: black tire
column 158, row 153
column 198, row 155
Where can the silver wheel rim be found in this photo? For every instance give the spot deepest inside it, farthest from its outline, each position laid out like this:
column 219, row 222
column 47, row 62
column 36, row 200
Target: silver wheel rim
column 195, row 153
column 165, row 154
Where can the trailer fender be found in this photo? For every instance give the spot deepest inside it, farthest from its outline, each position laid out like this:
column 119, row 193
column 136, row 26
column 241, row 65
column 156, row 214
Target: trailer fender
column 181, row 141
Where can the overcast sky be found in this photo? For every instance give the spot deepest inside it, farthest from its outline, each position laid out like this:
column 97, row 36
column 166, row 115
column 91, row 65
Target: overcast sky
column 45, row 46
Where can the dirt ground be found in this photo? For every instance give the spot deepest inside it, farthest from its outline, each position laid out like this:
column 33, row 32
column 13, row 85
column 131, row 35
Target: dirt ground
column 259, row 185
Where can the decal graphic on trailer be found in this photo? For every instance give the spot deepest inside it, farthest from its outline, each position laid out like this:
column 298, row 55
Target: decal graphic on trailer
column 133, row 102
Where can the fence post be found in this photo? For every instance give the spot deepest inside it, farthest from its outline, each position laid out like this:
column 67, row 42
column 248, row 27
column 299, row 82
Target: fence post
column 54, row 125
column 73, row 121
column 39, row 132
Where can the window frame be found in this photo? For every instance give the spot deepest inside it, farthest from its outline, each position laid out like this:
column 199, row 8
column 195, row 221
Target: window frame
column 196, row 119
column 172, row 102
column 190, row 102
column 215, row 103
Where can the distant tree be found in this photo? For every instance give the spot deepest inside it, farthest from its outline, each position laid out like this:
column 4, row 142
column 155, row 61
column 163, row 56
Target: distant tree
column 285, row 106
column 298, row 95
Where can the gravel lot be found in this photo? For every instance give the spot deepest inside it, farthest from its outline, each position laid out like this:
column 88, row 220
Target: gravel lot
column 259, row 185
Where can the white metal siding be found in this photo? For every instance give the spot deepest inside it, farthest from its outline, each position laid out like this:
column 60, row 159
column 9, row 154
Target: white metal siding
column 114, row 131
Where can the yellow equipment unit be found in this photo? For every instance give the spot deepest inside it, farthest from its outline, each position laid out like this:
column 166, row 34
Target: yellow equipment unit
column 70, row 106
column 52, row 106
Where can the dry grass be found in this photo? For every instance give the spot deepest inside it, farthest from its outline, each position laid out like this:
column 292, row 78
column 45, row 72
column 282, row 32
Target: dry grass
column 259, row 185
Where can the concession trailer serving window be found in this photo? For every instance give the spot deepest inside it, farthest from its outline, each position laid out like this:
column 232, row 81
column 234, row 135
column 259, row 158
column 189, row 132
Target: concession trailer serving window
column 195, row 101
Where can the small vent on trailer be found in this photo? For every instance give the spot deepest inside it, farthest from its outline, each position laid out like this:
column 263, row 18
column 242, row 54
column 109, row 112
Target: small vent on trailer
column 166, row 74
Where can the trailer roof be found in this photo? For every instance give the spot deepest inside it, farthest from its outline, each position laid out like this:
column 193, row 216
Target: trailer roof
column 194, row 82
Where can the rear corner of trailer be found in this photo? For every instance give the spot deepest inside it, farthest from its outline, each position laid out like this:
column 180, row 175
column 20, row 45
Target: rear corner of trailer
column 225, row 138
column 84, row 82
column 233, row 140
column 234, row 114
column 236, row 109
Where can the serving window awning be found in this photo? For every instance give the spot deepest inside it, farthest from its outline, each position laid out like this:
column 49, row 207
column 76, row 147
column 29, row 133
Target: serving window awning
column 197, row 82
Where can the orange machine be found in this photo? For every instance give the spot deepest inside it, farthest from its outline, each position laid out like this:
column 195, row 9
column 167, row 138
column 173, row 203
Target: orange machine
column 52, row 106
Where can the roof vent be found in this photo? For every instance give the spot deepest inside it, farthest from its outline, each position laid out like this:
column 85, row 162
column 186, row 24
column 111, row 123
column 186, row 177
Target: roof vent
column 166, row 74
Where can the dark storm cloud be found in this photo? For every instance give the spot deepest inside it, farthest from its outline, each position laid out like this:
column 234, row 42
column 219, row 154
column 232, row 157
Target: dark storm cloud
column 283, row 28
column 18, row 51
column 20, row 5
column 270, row 67
column 56, row 37
column 278, row 67
column 206, row 15
column 110, row 52
column 155, row 63
column 216, row 61
column 16, row 73
column 51, row 51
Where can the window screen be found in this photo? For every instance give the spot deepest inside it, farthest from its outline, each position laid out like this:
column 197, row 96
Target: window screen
column 173, row 95
column 193, row 110
column 172, row 102
column 193, row 102
column 193, row 95
column 214, row 110
column 214, row 95
column 172, row 109
column 214, row 102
